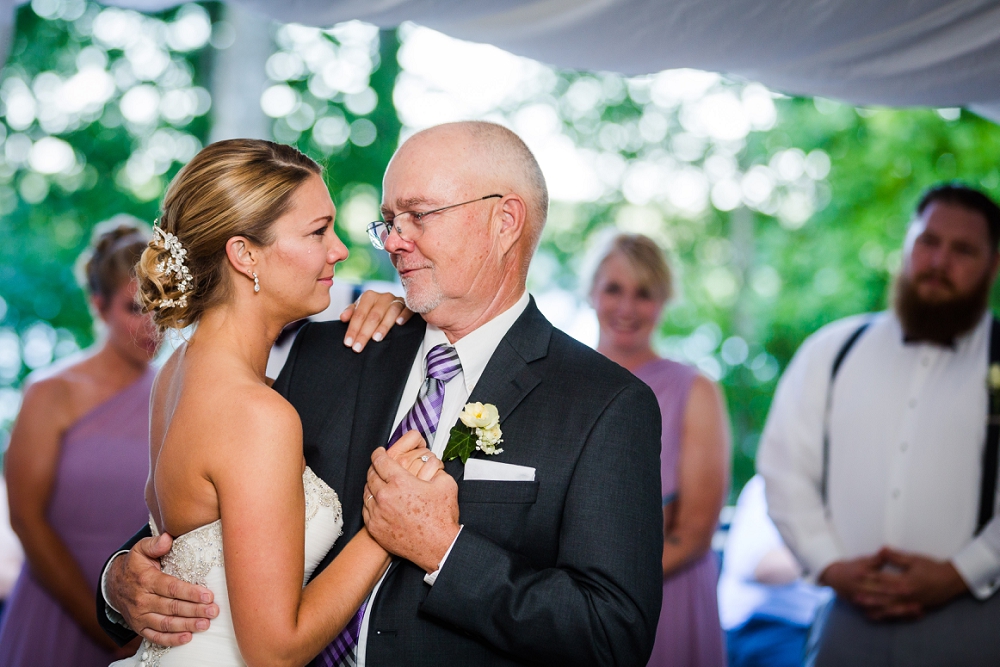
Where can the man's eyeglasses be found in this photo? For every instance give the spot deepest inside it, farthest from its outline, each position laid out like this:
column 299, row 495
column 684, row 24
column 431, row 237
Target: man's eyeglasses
column 409, row 224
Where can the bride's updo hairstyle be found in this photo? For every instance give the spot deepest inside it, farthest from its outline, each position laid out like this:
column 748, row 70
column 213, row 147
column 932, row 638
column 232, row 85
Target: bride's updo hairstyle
column 237, row 187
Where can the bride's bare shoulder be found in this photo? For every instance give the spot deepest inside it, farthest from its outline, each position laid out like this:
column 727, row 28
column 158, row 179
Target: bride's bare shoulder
column 251, row 415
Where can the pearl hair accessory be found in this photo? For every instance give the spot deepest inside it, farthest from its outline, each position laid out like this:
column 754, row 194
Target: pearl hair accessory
column 174, row 266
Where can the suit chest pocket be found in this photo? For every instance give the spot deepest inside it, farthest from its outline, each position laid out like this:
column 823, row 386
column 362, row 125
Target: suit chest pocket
column 497, row 510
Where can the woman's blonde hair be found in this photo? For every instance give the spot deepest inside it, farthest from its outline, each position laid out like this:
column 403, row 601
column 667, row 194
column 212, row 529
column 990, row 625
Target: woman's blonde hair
column 108, row 263
column 237, row 187
column 644, row 257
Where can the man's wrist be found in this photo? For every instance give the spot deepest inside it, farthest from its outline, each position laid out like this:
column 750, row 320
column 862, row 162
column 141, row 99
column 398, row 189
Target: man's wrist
column 979, row 567
column 110, row 611
column 956, row 583
column 104, row 581
column 824, row 576
column 432, row 571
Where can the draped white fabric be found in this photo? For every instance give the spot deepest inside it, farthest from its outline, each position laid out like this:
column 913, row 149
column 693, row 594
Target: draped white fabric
column 896, row 52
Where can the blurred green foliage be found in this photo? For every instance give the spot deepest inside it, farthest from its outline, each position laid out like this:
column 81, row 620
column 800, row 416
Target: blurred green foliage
column 780, row 228
column 46, row 218
column 64, row 163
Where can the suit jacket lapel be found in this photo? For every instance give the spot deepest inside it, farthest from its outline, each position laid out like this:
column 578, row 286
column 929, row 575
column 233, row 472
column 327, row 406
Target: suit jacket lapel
column 508, row 376
column 383, row 378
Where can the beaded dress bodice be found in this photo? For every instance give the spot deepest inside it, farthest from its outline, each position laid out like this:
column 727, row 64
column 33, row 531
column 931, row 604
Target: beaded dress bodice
column 196, row 557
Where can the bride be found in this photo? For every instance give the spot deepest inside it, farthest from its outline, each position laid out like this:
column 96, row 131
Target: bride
column 245, row 246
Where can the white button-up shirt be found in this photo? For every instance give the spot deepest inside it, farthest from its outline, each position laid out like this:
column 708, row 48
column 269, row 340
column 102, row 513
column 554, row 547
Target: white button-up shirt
column 907, row 430
column 474, row 351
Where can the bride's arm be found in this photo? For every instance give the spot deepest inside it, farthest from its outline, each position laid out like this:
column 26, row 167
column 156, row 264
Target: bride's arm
column 262, row 507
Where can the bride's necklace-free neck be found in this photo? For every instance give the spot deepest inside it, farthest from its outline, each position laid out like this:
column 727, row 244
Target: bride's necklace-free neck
column 245, row 336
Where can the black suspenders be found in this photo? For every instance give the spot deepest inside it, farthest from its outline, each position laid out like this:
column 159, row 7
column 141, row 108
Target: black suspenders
column 988, row 486
column 837, row 363
column 991, row 452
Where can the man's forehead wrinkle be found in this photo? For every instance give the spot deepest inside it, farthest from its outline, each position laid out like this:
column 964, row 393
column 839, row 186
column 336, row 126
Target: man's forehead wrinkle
column 405, row 204
column 410, row 202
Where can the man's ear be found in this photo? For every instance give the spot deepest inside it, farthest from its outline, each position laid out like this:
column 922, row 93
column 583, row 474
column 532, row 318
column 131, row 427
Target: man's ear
column 241, row 255
column 513, row 218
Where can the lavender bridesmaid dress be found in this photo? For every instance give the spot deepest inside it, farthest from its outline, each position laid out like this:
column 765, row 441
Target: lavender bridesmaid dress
column 689, row 633
column 97, row 503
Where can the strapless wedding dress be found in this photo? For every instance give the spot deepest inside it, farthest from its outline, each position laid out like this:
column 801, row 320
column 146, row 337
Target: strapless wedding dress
column 196, row 557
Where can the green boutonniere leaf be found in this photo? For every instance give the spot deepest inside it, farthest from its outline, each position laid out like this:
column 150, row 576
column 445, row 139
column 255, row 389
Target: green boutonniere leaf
column 461, row 444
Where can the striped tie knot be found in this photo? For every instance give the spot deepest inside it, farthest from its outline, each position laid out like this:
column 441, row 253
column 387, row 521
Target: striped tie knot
column 443, row 363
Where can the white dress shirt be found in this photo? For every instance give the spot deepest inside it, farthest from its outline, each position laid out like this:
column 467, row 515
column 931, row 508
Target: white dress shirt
column 907, row 433
column 474, row 351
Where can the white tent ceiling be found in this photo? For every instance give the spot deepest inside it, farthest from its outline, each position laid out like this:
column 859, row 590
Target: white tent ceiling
column 940, row 53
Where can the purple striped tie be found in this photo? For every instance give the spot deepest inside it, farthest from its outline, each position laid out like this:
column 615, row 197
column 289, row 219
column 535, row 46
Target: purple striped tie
column 442, row 365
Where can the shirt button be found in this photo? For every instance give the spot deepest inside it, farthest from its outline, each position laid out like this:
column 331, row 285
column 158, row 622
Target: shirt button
column 895, row 493
column 913, row 403
column 926, row 361
column 903, row 446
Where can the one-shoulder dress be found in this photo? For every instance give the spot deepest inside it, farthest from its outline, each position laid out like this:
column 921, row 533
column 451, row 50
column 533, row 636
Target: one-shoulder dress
column 689, row 633
column 97, row 502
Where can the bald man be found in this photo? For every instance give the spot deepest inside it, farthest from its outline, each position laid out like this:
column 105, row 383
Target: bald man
column 543, row 551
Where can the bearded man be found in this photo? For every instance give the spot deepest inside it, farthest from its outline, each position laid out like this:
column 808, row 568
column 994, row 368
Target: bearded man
column 880, row 458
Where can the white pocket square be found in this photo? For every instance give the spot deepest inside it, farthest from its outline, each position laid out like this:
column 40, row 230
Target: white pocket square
column 481, row 469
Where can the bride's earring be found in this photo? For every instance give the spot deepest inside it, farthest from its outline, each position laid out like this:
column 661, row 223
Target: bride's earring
column 256, row 283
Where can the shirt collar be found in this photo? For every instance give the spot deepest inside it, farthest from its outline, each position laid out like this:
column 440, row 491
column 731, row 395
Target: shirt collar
column 475, row 349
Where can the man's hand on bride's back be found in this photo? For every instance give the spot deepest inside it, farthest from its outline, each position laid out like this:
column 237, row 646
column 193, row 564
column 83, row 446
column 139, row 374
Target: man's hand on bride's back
column 161, row 608
column 372, row 316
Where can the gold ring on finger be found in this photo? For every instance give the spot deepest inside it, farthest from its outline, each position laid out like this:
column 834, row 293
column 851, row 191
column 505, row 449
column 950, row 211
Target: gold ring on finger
column 368, row 498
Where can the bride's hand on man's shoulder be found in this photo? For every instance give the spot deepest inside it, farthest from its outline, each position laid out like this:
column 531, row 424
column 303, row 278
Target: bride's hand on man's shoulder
column 371, row 317
column 411, row 452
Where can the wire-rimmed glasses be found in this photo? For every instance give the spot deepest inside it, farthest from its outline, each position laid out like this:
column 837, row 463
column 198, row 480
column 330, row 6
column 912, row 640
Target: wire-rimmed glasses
column 409, row 224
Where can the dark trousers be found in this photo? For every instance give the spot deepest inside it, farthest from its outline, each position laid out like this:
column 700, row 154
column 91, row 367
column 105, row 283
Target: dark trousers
column 963, row 633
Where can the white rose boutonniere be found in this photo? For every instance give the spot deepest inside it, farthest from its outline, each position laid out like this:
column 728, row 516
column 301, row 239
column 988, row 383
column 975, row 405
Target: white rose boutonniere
column 478, row 427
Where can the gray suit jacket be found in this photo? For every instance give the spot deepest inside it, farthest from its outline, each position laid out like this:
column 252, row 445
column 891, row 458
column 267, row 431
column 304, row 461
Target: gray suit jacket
column 564, row 570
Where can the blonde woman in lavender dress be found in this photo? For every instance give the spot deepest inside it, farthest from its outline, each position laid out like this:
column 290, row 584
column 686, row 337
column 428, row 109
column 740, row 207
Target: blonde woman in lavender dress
column 630, row 287
column 245, row 246
column 76, row 465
